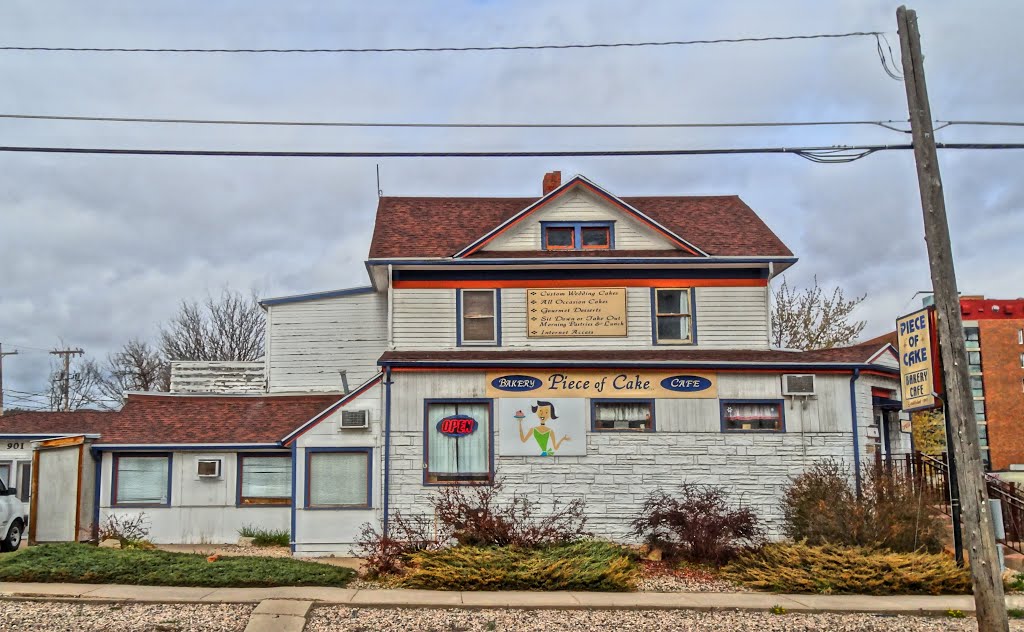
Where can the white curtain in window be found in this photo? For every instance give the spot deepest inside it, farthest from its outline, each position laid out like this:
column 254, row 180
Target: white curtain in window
column 458, row 455
column 142, row 479
column 266, row 477
column 752, row 412
column 338, row 478
column 623, row 412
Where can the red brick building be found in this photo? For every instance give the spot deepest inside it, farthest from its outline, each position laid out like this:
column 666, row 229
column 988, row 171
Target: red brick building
column 995, row 347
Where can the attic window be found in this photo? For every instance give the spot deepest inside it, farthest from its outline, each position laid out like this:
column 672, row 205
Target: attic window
column 577, row 235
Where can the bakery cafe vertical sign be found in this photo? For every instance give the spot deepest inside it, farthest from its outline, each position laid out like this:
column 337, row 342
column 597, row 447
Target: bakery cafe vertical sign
column 576, row 312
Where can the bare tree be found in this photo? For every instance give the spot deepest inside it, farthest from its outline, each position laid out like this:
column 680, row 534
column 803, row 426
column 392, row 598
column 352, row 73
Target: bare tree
column 812, row 318
column 83, row 386
column 229, row 327
column 137, row 366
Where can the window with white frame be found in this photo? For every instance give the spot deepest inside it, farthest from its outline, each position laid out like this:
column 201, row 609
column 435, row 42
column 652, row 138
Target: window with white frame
column 338, row 479
column 264, row 479
column 673, row 315
column 741, row 416
column 462, row 457
column 479, row 317
column 142, row 479
column 623, row 415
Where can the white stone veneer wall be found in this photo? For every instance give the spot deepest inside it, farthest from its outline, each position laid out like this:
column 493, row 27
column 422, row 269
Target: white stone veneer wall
column 621, row 469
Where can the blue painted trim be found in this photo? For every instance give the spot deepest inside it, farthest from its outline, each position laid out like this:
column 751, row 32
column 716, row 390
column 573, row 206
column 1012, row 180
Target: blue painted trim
column 315, row 296
column 578, row 234
column 692, row 298
column 239, row 457
column 160, row 447
column 490, row 439
column 369, row 478
column 781, row 403
column 544, row 274
column 856, row 431
column 291, row 508
column 387, row 446
column 114, row 475
column 702, row 261
column 497, row 319
column 97, row 490
column 593, row 413
column 681, row 364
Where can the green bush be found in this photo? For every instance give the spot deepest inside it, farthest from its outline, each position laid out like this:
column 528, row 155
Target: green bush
column 799, row 568
column 85, row 564
column 821, row 507
column 266, row 537
column 588, row 565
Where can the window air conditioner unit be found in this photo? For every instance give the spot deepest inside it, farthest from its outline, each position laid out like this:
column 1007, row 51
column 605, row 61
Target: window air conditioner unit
column 354, row 420
column 801, row 385
column 208, row 468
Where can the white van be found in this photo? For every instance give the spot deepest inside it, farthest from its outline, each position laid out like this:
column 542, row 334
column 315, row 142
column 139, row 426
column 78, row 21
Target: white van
column 12, row 518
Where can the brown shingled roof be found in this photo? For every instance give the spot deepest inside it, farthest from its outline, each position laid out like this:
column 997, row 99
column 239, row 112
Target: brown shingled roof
column 441, row 226
column 180, row 419
column 47, row 423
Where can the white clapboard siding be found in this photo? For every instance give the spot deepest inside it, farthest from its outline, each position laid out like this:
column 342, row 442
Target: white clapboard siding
column 888, row 359
column 732, row 317
column 630, row 233
column 424, row 319
column 638, row 324
column 727, row 318
column 311, row 341
column 217, row 377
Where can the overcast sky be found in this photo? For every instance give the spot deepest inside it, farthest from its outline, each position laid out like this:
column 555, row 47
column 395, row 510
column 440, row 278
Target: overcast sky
column 97, row 249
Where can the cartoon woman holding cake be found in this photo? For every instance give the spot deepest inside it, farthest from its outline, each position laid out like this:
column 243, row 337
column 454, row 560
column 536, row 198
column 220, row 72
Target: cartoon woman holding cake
column 542, row 434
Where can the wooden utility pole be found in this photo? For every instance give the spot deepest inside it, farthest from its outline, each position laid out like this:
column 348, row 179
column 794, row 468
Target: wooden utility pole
column 977, row 521
column 3, row 354
column 66, row 377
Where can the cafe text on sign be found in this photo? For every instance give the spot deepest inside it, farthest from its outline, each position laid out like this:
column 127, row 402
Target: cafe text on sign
column 572, row 383
column 917, row 362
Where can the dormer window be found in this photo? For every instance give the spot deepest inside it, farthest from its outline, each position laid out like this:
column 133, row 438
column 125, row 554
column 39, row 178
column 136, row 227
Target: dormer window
column 577, row 235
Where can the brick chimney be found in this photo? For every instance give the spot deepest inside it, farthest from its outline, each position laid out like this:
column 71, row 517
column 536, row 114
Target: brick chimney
column 552, row 180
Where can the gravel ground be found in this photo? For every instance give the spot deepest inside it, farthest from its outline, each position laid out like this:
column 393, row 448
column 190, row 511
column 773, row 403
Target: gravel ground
column 663, row 578
column 373, row 620
column 77, row 617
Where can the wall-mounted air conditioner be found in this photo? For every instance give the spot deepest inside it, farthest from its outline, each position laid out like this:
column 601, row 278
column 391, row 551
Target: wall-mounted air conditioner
column 797, row 385
column 354, row 420
column 208, row 468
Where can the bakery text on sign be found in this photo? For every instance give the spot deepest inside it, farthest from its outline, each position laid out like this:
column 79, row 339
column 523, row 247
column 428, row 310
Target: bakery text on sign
column 916, row 363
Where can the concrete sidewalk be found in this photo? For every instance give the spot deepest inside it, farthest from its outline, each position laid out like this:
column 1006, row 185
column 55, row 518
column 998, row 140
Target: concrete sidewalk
column 911, row 604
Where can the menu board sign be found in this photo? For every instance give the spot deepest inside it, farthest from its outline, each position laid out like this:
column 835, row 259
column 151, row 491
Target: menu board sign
column 576, row 312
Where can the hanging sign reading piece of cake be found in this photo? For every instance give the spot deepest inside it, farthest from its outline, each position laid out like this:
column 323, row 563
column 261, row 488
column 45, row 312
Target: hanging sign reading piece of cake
column 576, row 312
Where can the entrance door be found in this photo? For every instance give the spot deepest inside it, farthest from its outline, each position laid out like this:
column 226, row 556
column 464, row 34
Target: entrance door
column 24, row 481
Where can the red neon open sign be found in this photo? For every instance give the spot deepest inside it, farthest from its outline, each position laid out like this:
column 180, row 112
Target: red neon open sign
column 457, row 426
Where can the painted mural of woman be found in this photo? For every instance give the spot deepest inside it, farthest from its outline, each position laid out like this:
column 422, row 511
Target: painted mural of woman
column 542, row 434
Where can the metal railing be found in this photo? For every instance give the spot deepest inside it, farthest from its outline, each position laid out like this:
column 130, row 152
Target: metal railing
column 931, row 474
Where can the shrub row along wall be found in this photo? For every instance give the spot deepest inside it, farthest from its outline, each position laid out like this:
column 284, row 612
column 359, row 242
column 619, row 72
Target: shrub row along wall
column 621, row 469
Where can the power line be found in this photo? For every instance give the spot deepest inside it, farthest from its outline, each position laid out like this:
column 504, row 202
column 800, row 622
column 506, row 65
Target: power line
column 835, row 153
column 26, row 347
column 449, row 49
column 888, row 124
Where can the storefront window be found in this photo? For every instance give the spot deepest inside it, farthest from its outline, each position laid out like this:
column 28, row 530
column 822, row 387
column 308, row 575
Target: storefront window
column 338, row 479
column 673, row 316
column 741, row 416
column 625, row 415
column 264, row 479
column 142, row 480
column 458, row 442
column 479, row 316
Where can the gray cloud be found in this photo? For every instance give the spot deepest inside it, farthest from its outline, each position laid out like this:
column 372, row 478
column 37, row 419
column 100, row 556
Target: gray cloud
column 97, row 249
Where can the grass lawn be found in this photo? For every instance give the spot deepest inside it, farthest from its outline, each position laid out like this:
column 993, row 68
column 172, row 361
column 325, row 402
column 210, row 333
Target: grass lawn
column 87, row 564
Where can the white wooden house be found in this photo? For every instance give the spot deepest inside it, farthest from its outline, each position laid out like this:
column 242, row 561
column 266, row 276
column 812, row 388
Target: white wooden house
column 576, row 345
